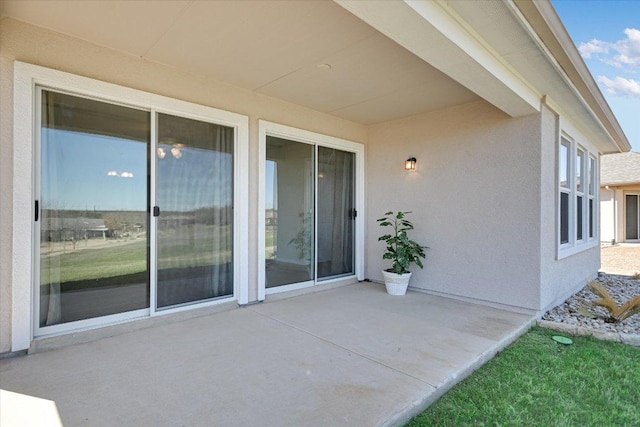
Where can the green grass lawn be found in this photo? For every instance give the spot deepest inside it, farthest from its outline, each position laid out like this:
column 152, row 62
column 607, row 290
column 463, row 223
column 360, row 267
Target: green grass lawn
column 95, row 263
column 538, row 382
column 198, row 247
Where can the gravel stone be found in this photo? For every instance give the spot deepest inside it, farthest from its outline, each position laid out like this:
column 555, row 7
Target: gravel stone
column 621, row 289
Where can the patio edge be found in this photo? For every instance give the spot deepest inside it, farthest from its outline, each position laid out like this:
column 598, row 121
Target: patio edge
column 417, row 407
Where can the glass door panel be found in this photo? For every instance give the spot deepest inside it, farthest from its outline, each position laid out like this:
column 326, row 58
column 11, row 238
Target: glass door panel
column 194, row 193
column 289, row 234
column 632, row 217
column 336, row 213
column 93, row 209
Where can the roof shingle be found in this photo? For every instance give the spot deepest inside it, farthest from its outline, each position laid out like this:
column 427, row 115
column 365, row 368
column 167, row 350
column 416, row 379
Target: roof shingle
column 620, row 168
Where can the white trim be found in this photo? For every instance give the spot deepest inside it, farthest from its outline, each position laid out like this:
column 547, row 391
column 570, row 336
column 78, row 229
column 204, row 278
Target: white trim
column 262, row 189
column 625, row 206
column 592, row 196
column 26, row 77
column 274, row 129
column 577, row 142
column 290, row 287
column 37, row 195
column 454, row 48
column 87, row 324
column 316, row 170
column 153, row 221
column 22, row 278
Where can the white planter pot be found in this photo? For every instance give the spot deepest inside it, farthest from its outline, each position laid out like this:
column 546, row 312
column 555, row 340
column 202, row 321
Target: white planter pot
column 396, row 283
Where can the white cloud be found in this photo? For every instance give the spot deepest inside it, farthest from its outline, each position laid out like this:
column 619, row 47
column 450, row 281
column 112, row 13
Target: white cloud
column 620, row 86
column 629, row 49
column 624, row 54
column 594, row 46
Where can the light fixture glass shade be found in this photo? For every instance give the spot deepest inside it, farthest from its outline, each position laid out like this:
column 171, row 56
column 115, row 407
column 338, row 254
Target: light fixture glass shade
column 175, row 151
column 410, row 164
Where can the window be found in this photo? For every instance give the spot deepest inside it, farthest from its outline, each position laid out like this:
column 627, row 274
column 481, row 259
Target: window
column 565, row 190
column 577, row 209
column 592, row 194
column 580, row 195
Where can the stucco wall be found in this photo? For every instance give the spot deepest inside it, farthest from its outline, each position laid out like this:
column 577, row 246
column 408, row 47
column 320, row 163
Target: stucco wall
column 560, row 278
column 39, row 46
column 613, row 210
column 474, row 197
column 607, row 215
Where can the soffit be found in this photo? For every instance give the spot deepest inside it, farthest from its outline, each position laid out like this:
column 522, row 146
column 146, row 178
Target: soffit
column 271, row 47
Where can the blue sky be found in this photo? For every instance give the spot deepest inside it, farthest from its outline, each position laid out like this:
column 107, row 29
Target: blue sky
column 607, row 33
column 89, row 171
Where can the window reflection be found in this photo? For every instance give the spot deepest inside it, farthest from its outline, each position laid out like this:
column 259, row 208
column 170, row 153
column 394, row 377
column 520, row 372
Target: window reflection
column 93, row 241
column 195, row 196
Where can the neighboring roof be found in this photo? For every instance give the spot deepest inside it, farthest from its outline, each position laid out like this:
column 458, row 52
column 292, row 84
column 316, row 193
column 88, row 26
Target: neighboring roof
column 620, row 169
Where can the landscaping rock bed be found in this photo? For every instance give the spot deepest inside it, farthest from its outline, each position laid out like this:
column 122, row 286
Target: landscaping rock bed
column 569, row 318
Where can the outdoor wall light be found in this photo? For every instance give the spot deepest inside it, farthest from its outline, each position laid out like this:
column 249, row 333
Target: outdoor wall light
column 410, row 164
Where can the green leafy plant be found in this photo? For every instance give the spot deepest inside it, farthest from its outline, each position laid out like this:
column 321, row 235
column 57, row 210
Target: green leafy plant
column 302, row 241
column 616, row 313
column 400, row 249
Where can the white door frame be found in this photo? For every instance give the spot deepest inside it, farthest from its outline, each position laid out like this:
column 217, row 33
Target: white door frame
column 266, row 128
column 624, row 198
column 27, row 79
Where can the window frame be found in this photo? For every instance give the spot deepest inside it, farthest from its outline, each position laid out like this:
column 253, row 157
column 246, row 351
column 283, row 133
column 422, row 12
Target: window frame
column 579, row 174
column 267, row 128
column 565, row 189
column 593, row 190
column 581, row 239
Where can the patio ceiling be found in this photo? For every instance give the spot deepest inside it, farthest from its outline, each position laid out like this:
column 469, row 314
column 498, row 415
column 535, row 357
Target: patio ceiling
column 311, row 53
column 365, row 61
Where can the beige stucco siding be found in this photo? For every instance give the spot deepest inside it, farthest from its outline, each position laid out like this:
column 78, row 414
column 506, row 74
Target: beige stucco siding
column 27, row 43
column 613, row 210
column 560, row 278
column 483, row 196
column 474, row 199
column 607, row 215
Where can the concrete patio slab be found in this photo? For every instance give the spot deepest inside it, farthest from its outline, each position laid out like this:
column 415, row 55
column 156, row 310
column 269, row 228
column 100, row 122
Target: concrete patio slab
column 346, row 356
column 429, row 338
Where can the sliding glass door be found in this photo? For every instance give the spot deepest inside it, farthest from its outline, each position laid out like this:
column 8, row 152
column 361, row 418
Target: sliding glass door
column 336, row 212
column 194, row 198
column 93, row 209
column 103, row 250
column 309, row 213
column 290, row 213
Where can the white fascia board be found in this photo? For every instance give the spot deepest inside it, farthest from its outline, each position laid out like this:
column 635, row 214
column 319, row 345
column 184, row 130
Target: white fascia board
column 612, row 137
column 598, row 107
column 436, row 35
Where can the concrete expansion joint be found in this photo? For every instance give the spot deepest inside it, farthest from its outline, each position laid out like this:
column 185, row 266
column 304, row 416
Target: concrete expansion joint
column 364, row 356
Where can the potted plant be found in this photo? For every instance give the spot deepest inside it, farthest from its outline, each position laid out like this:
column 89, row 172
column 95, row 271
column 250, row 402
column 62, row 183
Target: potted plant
column 401, row 250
